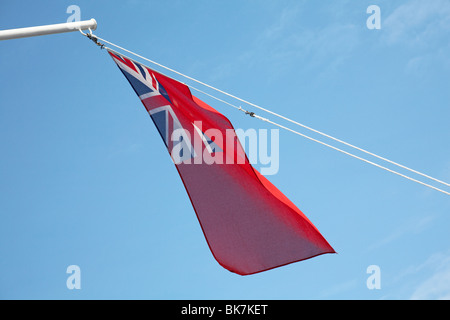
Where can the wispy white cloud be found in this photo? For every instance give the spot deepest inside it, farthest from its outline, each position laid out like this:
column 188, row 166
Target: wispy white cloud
column 412, row 226
column 429, row 280
column 417, row 22
column 285, row 19
column 437, row 285
column 424, row 28
column 286, row 41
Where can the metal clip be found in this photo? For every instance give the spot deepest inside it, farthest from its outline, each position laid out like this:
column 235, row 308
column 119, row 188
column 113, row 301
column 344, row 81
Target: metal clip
column 91, row 36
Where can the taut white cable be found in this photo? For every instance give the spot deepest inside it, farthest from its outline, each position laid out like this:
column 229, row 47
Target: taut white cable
column 292, row 121
column 325, row 144
column 354, row 156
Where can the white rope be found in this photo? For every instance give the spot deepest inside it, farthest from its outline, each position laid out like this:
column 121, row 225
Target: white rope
column 294, row 122
column 354, row 156
column 325, row 144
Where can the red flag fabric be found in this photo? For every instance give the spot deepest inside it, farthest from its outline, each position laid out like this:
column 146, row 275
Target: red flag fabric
column 249, row 225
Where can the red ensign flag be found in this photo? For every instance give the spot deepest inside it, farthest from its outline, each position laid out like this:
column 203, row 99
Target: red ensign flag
column 249, row 225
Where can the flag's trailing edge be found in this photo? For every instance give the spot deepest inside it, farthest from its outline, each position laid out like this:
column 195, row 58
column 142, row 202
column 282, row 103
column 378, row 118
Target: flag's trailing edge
column 249, row 225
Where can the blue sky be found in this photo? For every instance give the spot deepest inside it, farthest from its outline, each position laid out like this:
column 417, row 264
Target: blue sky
column 85, row 179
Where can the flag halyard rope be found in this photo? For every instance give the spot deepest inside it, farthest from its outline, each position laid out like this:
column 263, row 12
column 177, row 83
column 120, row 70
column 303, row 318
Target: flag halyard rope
column 96, row 39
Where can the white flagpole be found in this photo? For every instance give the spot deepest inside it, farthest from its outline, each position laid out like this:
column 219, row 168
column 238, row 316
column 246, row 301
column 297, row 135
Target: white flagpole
column 48, row 29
